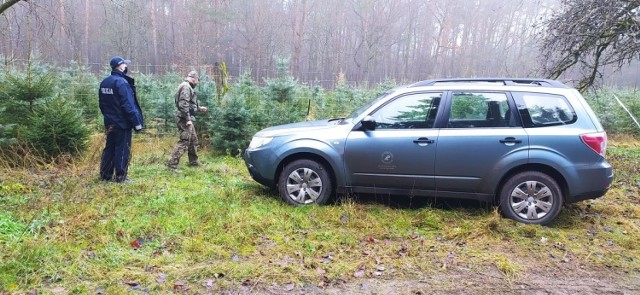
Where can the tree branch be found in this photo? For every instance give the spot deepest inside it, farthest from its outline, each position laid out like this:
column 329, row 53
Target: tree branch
column 8, row 4
column 590, row 34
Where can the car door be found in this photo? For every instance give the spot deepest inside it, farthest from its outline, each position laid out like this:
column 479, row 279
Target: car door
column 400, row 152
column 482, row 137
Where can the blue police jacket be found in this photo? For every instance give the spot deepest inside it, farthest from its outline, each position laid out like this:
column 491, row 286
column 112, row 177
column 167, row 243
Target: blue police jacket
column 119, row 103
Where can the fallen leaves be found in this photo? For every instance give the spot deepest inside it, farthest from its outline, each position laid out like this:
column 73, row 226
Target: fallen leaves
column 209, row 284
column 326, row 259
column 161, row 278
column 289, row 287
column 132, row 284
column 136, row 244
column 379, row 270
column 180, row 287
column 403, row 250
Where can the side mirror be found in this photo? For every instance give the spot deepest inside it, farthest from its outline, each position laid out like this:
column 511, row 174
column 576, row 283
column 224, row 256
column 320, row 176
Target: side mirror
column 368, row 123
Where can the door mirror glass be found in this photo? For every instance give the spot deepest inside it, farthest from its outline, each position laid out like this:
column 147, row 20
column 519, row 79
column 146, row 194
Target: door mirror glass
column 368, row 123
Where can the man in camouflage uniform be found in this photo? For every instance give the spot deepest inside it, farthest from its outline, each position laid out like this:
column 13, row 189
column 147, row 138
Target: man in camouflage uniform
column 187, row 104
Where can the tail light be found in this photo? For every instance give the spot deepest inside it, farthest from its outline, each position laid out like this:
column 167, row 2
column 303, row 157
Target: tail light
column 596, row 141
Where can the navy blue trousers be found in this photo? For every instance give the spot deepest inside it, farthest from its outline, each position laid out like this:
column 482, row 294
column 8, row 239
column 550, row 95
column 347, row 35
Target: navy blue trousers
column 115, row 156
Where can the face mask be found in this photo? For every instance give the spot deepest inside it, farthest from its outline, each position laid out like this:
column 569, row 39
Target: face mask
column 126, row 70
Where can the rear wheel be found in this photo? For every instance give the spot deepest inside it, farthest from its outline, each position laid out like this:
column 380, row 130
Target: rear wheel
column 531, row 197
column 304, row 182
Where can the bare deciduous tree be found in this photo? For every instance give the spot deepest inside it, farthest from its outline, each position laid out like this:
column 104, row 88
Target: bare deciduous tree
column 590, row 34
column 363, row 41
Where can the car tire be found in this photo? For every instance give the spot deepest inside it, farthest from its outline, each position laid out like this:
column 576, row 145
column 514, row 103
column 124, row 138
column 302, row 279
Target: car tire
column 531, row 197
column 303, row 182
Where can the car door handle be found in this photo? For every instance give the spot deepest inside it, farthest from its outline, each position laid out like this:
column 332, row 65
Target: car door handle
column 423, row 141
column 510, row 140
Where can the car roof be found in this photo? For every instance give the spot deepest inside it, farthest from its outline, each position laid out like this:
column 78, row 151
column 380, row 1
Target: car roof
column 533, row 82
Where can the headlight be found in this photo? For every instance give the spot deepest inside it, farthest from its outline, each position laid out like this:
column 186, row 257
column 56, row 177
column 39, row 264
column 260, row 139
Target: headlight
column 257, row 142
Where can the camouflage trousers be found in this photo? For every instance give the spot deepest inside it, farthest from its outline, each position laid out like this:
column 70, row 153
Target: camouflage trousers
column 188, row 142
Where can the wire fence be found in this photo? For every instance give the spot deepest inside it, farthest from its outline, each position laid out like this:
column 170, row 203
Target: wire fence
column 327, row 80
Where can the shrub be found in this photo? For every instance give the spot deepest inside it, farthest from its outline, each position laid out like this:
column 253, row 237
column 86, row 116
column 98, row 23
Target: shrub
column 230, row 126
column 246, row 88
column 611, row 114
column 56, row 128
column 22, row 93
column 82, row 89
column 158, row 100
column 6, row 136
column 282, row 105
column 283, row 88
column 206, row 92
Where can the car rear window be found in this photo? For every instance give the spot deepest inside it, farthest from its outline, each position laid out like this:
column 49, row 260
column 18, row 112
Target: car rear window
column 478, row 109
column 540, row 110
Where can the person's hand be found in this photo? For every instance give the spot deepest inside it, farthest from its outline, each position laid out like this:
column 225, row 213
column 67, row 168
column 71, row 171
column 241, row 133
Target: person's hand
column 202, row 109
column 189, row 123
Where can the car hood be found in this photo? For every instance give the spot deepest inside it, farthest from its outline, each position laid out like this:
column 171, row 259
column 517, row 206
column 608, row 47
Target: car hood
column 298, row 127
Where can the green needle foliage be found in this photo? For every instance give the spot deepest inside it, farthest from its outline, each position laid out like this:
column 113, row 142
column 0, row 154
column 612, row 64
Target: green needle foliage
column 21, row 93
column 283, row 105
column 78, row 85
column 613, row 117
column 7, row 135
column 57, row 128
column 231, row 128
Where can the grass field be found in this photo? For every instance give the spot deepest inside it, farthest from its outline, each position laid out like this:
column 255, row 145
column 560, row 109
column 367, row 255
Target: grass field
column 212, row 228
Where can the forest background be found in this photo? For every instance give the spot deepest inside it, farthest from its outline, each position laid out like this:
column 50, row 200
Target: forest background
column 281, row 61
column 366, row 41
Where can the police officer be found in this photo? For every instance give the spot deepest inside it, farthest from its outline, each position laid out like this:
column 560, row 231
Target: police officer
column 187, row 105
column 122, row 113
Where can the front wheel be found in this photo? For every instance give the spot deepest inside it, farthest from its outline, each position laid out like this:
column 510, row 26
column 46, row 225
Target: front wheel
column 304, row 182
column 531, row 197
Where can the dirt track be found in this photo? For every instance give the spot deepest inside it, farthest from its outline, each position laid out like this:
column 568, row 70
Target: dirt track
column 565, row 279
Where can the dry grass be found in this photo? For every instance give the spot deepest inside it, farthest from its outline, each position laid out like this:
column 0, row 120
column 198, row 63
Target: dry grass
column 213, row 228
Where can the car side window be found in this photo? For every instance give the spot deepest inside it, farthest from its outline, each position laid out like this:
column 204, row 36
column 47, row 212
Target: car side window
column 417, row 110
column 478, row 109
column 541, row 109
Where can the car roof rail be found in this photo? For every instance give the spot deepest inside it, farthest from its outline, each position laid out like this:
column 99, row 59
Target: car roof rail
column 503, row 81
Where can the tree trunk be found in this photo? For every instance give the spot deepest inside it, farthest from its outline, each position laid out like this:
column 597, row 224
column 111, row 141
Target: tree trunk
column 298, row 18
column 154, row 32
column 85, row 48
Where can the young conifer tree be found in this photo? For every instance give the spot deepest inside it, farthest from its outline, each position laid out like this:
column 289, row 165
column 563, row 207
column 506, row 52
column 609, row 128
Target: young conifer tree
column 283, row 104
column 57, row 128
column 231, row 128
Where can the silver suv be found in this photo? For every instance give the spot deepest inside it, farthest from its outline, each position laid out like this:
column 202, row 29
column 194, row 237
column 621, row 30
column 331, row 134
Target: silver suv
column 529, row 145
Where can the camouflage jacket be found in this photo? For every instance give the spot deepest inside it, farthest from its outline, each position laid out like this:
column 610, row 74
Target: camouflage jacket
column 186, row 102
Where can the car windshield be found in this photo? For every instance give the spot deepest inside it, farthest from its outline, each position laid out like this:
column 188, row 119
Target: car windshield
column 366, row 106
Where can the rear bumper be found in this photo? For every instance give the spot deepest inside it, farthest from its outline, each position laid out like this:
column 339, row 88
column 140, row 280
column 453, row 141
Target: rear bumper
column 592, row 182
column 587, row 196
